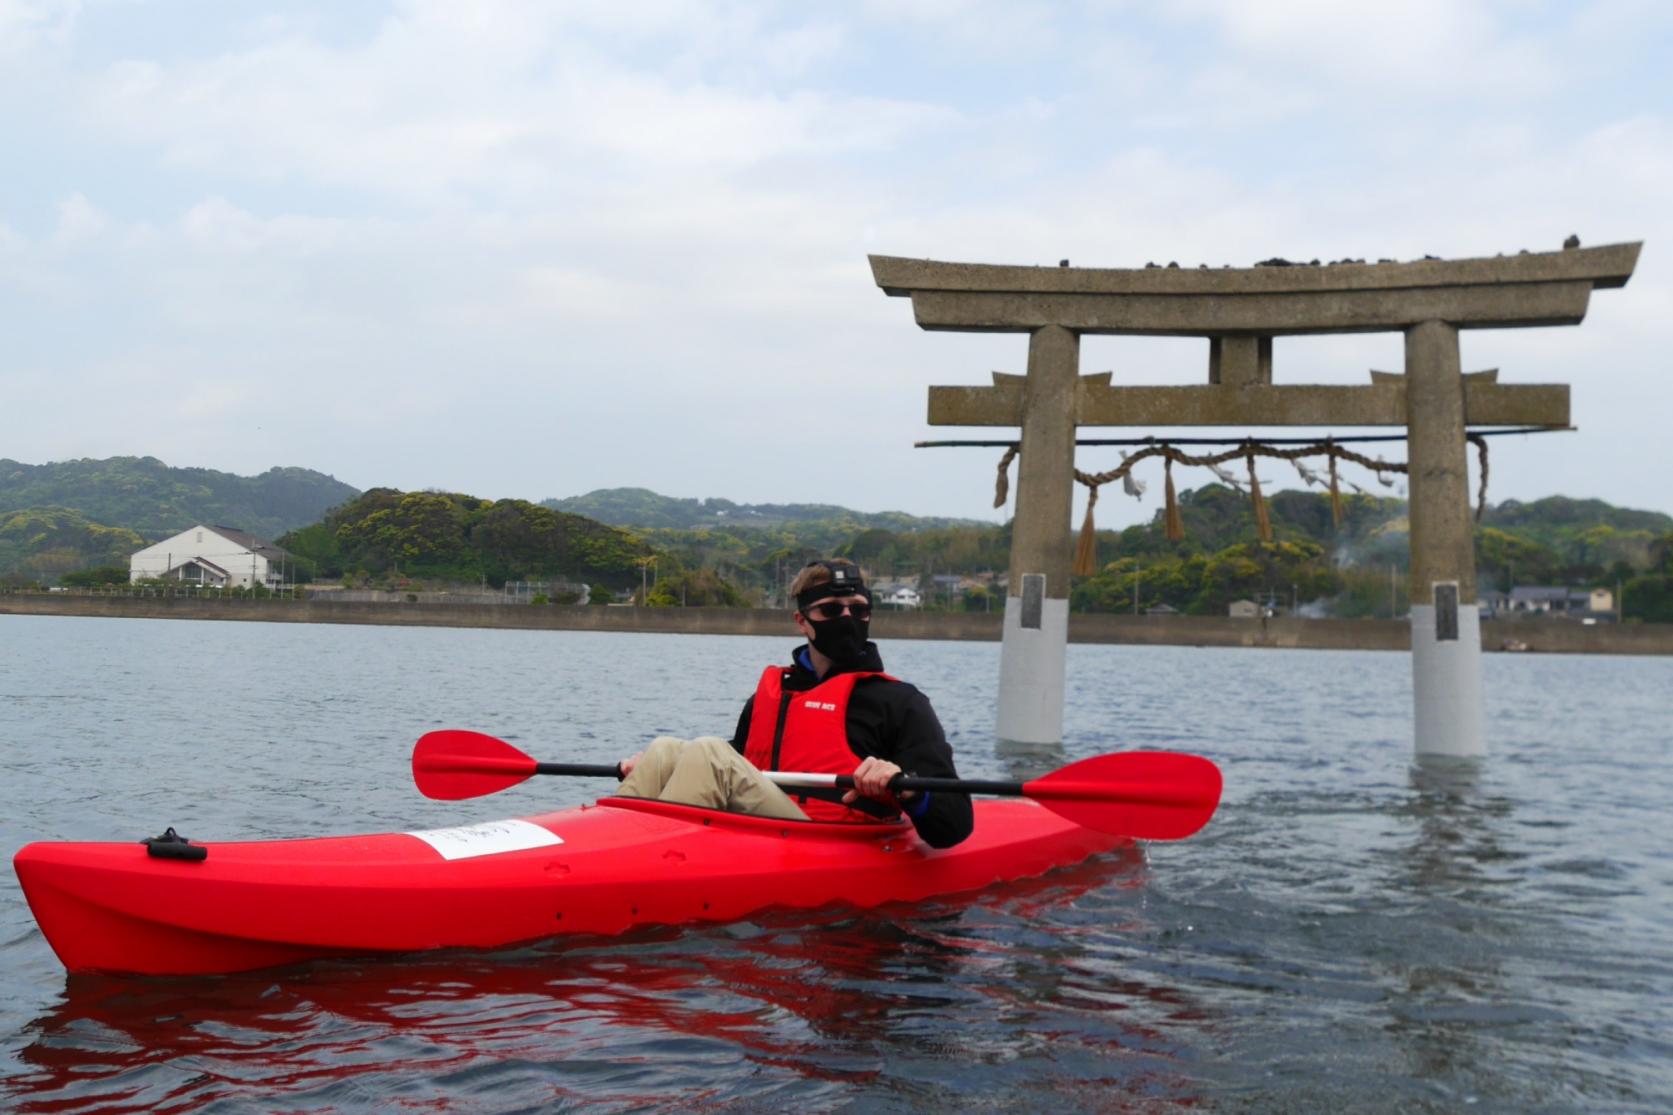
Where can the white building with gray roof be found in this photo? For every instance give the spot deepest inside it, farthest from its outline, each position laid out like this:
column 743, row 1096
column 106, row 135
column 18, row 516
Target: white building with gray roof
column 213, row 557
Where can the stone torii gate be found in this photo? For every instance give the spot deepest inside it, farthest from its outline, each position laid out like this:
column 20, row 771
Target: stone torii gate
column 1240, row 311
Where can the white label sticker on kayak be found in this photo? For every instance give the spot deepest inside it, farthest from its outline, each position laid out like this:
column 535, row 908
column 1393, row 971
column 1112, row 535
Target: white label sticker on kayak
column 488, row 838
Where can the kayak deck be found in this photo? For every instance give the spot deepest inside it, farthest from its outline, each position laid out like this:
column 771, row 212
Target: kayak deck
column 599, row 869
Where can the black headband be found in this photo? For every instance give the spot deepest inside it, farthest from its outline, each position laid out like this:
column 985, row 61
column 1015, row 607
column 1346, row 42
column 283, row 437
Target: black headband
column 845, row 581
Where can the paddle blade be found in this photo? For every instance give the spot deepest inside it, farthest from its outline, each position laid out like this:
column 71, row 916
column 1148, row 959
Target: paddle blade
column 1149, row 795
column 453, row 764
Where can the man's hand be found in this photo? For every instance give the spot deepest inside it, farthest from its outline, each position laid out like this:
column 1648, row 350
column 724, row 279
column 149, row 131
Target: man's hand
column 626, row 765
column 871, row 780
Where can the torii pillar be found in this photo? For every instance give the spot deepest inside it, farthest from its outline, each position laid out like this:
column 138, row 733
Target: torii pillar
column 1239, row 312
column 1448, row 717
column 1033, row 656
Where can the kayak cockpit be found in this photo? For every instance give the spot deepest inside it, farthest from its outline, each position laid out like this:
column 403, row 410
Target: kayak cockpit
column 744, row 823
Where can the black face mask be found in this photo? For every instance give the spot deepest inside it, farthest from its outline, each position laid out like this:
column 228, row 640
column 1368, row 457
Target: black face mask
column 842, row 640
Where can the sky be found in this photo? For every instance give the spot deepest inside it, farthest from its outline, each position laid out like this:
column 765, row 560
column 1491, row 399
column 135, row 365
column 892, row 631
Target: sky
column 535, row 249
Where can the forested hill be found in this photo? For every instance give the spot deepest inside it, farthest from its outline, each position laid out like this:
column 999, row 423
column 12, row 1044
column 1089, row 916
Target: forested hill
column 144, row 495
column 386, row 536
column 1548, row 519
column 644, row 509
column 43, row 544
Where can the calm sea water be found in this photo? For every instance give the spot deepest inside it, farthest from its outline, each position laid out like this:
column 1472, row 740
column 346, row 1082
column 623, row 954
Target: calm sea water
column 1352, row 931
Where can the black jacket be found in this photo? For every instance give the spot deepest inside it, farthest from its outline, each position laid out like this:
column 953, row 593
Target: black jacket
column 893, row 721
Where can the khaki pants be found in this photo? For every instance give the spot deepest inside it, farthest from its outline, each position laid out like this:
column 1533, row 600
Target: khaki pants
column 706, row 772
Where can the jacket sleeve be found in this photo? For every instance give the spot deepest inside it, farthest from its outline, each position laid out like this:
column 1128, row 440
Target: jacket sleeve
column 740, row 734
column 900, row 726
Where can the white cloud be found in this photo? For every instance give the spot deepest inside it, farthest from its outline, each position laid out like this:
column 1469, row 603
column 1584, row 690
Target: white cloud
column 526, row 249
column 1418, row 49
column 502, row 100
column 573, row 293
column 29, row 26
column 78, row 220
column 990, row 30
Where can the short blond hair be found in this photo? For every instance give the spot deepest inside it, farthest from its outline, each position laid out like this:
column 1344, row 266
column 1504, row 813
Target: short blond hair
column 818, row 575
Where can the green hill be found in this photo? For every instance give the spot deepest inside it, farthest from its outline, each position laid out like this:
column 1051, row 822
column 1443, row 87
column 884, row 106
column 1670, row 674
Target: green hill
column 1554, row 519
column 385, row 535
column 1216, row 516
column 144, row 495
column 1553, row 541
column 758, row 547
column 42, row 544
column 643, row 508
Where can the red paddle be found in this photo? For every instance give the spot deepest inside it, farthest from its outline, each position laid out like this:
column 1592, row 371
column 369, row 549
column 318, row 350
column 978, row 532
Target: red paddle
column 1151, row 795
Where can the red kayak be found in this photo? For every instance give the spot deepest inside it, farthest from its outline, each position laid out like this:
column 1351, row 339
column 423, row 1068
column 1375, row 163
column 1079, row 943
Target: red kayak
column 599, row 869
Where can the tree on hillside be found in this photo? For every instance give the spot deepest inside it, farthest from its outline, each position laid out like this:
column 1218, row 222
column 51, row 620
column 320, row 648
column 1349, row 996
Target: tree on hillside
column 1205, row 584
column 1661, row 554
column 44, row 543
column 412, row 530
column 1510, row 560
column 1648, row 598
column 145, row 495
column 462, row 539
column 700, row 588
column 96, row 577
column 875, row 548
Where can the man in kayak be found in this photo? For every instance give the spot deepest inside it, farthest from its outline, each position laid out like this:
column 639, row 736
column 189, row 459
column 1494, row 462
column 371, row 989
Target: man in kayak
column 832, row 711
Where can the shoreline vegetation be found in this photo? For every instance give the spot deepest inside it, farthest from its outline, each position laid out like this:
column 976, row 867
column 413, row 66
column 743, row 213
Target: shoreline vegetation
column 1306, row 553
column 1511, row 635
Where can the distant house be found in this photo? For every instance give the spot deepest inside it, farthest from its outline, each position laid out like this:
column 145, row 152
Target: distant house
column 1597, row 600
column 213, row 557
column 1244, row 609
column 1538, row 598
column 901, row 596
column 1594, row 603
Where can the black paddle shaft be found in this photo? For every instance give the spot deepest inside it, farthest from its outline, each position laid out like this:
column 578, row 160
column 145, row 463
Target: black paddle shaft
column 946, row 785
column 843, row 781
column 581, row 770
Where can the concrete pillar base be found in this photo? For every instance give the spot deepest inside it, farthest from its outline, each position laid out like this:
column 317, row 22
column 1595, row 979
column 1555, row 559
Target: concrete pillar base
column 1031, row 670
column 1446, row 685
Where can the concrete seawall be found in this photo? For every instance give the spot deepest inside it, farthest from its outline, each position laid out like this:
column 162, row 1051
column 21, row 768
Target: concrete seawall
column 1554, row 636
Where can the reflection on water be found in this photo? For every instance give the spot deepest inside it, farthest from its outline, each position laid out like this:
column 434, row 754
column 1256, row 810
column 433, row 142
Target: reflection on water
column 1456, row 836
column 1022, row 761
column 1447, row 881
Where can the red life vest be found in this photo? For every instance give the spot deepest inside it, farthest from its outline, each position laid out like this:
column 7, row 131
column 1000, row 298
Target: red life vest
column 806, row 730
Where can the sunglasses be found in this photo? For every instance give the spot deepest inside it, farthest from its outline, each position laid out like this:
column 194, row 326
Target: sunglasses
column 830, row 609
